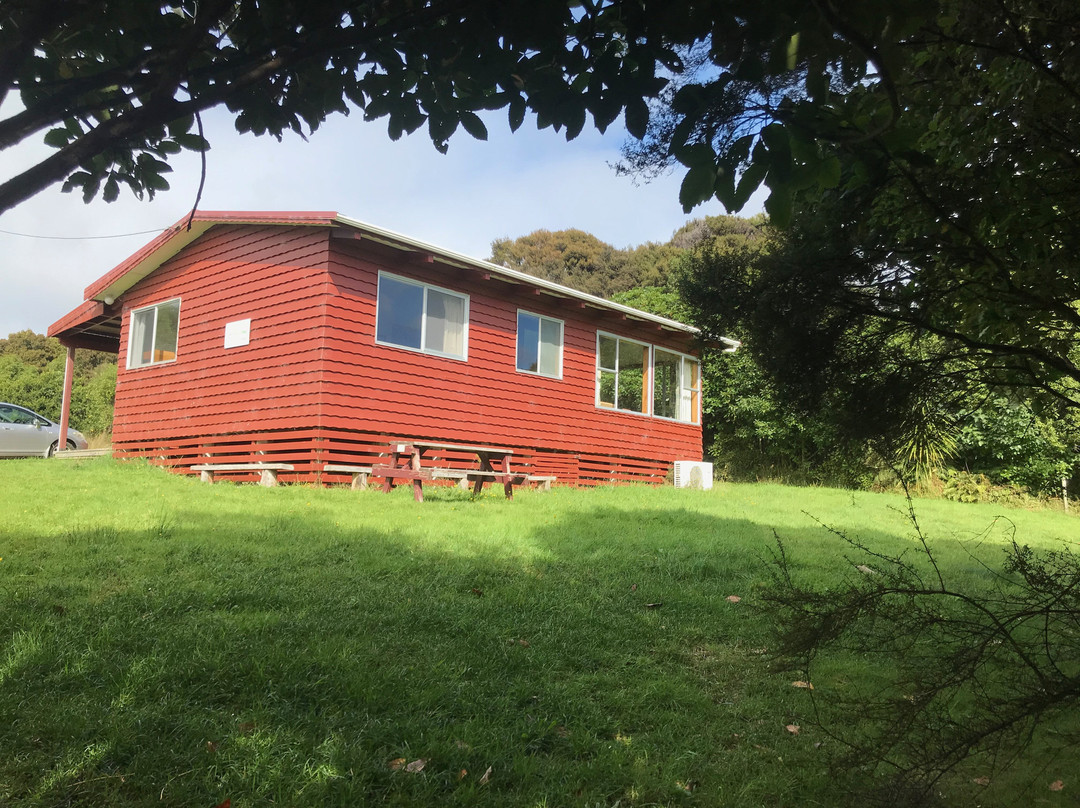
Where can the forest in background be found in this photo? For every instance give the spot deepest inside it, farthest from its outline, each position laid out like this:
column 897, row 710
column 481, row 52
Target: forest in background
column 973, row 443
column 859, row 423
column 32, row 376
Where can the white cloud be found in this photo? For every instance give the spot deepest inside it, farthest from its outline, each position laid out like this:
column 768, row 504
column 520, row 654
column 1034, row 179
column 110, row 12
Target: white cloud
column 505, row 187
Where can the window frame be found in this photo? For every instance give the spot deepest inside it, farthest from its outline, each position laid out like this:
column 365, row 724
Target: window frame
column 464, row 357
column 695, row 392
column 646, row 383
column 650, row 384
column 156, row 308
column 539, row 343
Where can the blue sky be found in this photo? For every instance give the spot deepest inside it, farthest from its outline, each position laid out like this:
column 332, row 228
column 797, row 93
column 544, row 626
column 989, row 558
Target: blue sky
column 507, row 186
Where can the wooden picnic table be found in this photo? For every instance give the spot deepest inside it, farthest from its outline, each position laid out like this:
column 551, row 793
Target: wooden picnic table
column 413, row 460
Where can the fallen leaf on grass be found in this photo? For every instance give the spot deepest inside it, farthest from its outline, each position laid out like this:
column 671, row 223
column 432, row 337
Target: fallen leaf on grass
column 461, row 745
column 792, row 728
column 523, row 642
column 461, row 774
column 478, row 592
column 687, row 787
column 1057, row 785
column 486, row 775
column 654, row 605
column 633, row 587
column 804, row 685
column 211, row 746
column 396, row 764
column 417, row 765
column 865, row 570
column 981, row 781
column 247, row 727
column 732, row 598
column 226, row 803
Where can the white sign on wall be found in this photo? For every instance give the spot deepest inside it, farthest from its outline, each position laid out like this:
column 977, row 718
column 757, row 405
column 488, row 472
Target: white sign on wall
column 237, row 333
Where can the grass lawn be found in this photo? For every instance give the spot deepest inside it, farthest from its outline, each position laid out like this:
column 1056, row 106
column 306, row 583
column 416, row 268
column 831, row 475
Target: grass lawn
column 168, row 643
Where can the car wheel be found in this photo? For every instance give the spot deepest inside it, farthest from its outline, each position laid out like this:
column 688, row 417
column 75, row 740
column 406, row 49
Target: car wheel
column 56, row 443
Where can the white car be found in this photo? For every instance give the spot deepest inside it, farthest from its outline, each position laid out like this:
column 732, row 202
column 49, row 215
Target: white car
column 24, row 433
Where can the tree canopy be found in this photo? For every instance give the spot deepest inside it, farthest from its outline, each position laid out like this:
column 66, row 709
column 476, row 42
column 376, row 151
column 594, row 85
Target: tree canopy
column 116, row 86
column 923, row 159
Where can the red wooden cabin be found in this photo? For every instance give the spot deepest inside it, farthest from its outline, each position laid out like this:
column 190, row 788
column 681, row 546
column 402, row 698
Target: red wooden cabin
column 310, row 338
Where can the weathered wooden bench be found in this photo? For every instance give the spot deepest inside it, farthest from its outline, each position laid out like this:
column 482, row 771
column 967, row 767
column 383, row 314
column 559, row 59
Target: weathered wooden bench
column 359, row 473
column 268, row 472
column 465, row 476
column 543, row 481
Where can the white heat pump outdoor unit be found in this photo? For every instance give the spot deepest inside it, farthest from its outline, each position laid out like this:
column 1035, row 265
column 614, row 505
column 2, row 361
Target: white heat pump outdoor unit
column 693, row 474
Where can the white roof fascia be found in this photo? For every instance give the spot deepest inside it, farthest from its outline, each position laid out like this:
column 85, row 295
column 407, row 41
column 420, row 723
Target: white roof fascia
column 515, row 276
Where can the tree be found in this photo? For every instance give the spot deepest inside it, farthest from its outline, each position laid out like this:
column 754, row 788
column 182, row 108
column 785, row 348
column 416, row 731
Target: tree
column 570, row 257
column 116, row 86
column 34, row 349
column 924, row 156
column 32, row 375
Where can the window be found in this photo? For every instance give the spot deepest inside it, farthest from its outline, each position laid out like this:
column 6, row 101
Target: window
column 153, row 337
column 421, row 317
column 539, row 345
column 676, row 386
column 622, row 374
column 623, row 380
column 17, row 415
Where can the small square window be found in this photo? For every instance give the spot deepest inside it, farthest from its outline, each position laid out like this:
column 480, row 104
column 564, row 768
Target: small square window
column 539, row 345
column 154, row 334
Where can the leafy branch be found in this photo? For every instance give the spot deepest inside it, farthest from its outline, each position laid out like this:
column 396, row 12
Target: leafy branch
column 947, row 670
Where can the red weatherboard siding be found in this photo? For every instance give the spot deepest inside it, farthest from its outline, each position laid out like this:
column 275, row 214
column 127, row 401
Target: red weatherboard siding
column 313, row 386
column 276, row 276
column 386, row 389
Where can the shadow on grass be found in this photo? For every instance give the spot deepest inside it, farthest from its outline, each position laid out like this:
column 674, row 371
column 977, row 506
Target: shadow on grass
column 589, row 659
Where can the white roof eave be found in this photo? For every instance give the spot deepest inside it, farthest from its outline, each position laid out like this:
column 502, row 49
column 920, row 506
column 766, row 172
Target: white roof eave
column 513, row 275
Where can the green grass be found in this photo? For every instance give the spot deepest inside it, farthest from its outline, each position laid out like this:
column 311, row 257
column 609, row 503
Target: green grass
column 164, row 642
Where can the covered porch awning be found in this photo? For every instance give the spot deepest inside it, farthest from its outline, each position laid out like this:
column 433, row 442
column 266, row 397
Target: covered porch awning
column 93, row 325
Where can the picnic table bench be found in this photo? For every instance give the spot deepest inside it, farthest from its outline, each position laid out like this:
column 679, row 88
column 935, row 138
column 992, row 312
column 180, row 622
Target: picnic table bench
column 359, row 474
column 405, row 461
column 268, row 472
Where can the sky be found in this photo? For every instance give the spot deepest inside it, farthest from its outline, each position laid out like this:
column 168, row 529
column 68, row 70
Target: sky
column 507, row 186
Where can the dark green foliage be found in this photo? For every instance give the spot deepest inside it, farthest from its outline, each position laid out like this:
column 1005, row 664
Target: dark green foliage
column 32, row 376
column 114, row 86
column 582, row 261
column 1011, row 444
column 753, row 433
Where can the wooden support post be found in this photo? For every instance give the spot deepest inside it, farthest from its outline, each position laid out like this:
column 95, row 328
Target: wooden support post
column 418, row 485
column 65, row 402
column 508, row 481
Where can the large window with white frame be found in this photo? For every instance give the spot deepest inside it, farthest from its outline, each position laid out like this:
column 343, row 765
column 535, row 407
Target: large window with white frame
column 421, row 317
column 622, row 374
column 676, row 386
column 154, row 334
column 539, row 344
column 635, row 377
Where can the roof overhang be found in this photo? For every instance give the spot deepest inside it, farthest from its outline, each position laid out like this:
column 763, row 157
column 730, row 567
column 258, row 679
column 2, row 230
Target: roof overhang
column 444, row 256
column 97, row 321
